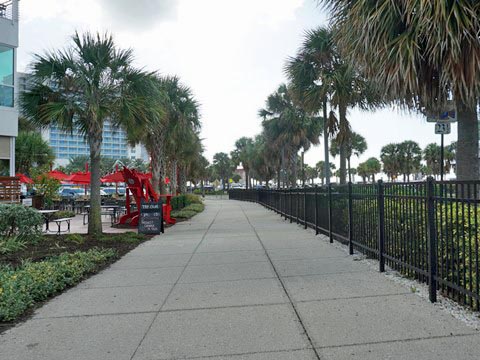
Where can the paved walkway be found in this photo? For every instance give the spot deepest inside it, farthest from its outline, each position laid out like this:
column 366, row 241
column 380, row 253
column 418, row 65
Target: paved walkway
column 239, row 283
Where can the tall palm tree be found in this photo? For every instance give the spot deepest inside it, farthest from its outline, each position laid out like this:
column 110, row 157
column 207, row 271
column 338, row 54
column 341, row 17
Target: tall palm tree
column 355, row 144
column 421, row 53
column 82, row 86
column 319, row 73
column 179, row 115
column 289, row 127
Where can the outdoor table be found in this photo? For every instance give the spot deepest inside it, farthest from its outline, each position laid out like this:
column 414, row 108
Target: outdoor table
column 115, row 209
column 47, row 215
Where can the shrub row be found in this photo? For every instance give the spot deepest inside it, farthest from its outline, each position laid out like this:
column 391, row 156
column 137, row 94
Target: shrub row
column 189, row 211
column 33, row 282
column 184, row 200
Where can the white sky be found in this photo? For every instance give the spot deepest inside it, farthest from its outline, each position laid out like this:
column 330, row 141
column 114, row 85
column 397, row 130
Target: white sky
column 230, row 52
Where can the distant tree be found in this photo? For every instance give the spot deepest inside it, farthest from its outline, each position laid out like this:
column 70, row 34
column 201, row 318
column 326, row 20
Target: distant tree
column 243, row 154
column 320, row 166
column 410, row 156
column 373, row 167
column 224, row 167
column 391, row 160
column 432, row 155
column 355, row 144
column 31, row 151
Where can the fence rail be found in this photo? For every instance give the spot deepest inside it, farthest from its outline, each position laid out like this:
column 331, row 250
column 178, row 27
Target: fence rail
column 428, row 231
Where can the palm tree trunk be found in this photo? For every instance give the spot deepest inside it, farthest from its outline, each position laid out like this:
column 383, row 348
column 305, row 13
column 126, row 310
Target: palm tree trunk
column 467, row 144
column 279, row 173
column 325, row 142
column 349, row 171
column 343, row 148
column 247, row 179
column 183, row 179
column 95, row 212
column 157, row 164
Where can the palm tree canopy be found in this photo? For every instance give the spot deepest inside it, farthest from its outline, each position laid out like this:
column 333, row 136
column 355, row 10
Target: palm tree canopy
column 82, row 86
column 408, row 46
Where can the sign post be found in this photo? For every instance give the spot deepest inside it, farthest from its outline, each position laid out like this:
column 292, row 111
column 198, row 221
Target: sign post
column 151, row 218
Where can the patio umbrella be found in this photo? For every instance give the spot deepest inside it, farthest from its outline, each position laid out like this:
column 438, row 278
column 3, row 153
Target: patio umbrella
column 116, row 177
column 55, row 174
column 24, row 179
column 79, row 178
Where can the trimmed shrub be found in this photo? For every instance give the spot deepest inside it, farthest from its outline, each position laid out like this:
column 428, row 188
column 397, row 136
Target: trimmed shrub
column 198, row 208
column 33, row 282
column 18, row 221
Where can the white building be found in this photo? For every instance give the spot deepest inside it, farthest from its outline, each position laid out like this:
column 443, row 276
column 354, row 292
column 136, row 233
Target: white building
column 67, row 145
column 8, row 112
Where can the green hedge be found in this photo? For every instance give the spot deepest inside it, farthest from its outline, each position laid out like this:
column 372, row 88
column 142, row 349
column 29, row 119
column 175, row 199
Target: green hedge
column 33, row 282
column 182, row 201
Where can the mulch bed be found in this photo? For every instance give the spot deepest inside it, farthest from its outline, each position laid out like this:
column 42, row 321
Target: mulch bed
column 52, row 245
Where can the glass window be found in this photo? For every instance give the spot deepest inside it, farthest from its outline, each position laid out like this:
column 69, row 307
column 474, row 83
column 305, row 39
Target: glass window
column 6, row 76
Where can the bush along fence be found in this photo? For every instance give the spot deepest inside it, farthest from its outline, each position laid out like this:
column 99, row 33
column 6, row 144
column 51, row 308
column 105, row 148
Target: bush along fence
column 425, row 230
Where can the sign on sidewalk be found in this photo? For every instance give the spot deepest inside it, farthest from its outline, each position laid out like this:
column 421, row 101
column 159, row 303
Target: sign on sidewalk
column 151, row 218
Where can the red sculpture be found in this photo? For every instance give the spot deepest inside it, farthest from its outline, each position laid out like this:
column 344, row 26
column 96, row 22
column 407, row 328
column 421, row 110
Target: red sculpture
column 139, row 186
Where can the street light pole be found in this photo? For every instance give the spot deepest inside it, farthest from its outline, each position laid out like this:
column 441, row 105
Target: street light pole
column 442, row 157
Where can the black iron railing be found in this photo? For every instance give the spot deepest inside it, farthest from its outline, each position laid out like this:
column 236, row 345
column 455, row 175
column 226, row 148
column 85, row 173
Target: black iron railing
column 425, row 230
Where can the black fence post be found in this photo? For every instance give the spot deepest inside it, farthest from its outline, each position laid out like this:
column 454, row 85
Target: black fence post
column 432, row 241
column 330, row 231
column 350, row 219
column 304, row 207
column 316, row 209
column 290, row 195
column 381, row 225
column 297, row 204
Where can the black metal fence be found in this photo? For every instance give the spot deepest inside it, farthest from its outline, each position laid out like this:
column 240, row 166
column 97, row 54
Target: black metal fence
column 425, row 230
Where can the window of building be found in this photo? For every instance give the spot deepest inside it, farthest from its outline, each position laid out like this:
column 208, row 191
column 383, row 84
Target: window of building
column 6, row 76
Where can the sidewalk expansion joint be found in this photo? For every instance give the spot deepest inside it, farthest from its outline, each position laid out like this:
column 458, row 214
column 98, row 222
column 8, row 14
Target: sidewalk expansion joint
column 224, row 307
column 399, row 340
column 244, row 354
column 355, row 297
column 292, row 304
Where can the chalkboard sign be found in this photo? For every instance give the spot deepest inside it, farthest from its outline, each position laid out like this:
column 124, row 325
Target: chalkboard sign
column 151, row 218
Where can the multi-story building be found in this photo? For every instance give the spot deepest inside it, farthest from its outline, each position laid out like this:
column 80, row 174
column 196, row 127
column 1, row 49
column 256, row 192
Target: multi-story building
column 67, row 145
column 8, row 112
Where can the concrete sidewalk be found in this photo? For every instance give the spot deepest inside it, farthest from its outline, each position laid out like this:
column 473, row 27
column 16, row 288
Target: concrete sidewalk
column 240, row 283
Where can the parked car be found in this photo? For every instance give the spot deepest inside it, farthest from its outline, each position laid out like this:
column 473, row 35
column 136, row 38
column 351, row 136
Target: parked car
column 111, row 191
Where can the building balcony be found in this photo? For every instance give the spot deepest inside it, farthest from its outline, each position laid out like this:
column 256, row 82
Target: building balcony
column 9, row 9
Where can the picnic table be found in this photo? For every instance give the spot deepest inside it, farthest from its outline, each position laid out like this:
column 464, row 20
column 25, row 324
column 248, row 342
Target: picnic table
column 47, row 215
column 112, row 210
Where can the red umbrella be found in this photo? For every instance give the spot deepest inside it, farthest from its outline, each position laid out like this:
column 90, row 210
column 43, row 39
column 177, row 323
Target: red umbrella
column 79, row 178
column 55, row 174
column 116, row 177
column 24, row 179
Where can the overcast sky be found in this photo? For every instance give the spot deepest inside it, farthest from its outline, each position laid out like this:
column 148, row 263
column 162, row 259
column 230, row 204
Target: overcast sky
column 231, row 53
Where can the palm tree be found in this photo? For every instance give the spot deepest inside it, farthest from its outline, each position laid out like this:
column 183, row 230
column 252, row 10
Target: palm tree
column 410, row 156
column 373, row 166
column 243, row 154
column 319, row 72
column 81, row 87
column 165, row 137
column 320, row 167
column 421, row 53
column 391, row 160
column 362, row 171
column 432, row 155
column 223, row 166
column 354, row 145
column 289, row 128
